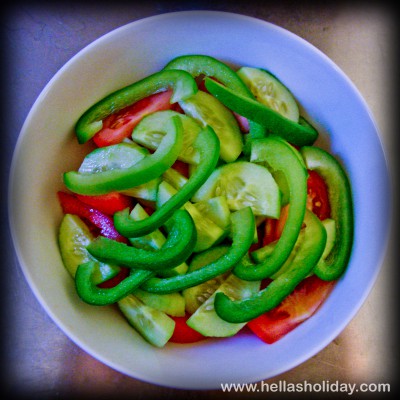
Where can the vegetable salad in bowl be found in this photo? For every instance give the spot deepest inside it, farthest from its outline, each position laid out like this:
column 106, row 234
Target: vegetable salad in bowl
column 205, row 207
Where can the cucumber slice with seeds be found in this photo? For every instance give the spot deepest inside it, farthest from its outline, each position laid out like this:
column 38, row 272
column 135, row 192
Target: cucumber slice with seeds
column 208, row 233
column 270, row 91
column 207, row 110
column 206, row 321
column 73, row 238
column 195, row 296
column 117, row 156
column 243, row 184
column 149, row 133
column 154, row 325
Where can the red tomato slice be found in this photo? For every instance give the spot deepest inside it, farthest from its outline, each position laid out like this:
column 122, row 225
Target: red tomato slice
column 181, row 167
column 274, row 227
column 318, row 199
column 295, row 309
column 184, row 333
column 108, row 203
column 119, row 126
column 103, row 222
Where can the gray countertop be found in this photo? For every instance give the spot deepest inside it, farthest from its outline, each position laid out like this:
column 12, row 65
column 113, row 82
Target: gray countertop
column 38, row 358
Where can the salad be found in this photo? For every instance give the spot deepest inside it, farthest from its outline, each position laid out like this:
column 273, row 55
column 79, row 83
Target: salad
column 205, row 207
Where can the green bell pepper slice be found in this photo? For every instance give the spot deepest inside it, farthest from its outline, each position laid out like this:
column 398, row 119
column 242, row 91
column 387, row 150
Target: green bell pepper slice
column 181, row 82
column 146, row 169
column 295, row 133
column 243, row 226
column 280, row 156
column 340, row 199
column 207, row 146
column 177, row 248
column 308, row 253
column 92, row 294
column 199, row 64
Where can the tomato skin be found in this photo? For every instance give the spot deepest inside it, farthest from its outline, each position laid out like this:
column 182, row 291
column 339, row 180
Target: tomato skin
column 181, row 167
column 103, row 222
column 295, row 309
column 110, row 283
column 183, row 333
column 108, row 203
column 317, row 196
column 119, row 126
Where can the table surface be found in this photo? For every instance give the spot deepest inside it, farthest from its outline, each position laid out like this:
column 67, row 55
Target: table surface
column 39, row 40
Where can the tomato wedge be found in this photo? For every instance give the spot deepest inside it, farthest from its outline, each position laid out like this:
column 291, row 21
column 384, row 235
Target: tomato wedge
column 108, row 203
column 101, row 221
column 317, row 199
column 295, row 309
column 317, row 202
column 184, row 333
column 119, row 126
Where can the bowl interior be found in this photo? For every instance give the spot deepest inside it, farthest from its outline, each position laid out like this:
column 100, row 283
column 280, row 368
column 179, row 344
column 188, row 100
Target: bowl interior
column 47, row 148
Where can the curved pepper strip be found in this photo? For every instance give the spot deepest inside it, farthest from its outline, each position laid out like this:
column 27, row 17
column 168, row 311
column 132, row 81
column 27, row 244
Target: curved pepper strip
column 198, row 64
column 177, row 248
column 92, row 294
column 275, row 123
column 207, row 145
column 181, row 82
column 341, row 203
column 146, row 169
column 307, row 255
column 280, row 156
column 243, row 225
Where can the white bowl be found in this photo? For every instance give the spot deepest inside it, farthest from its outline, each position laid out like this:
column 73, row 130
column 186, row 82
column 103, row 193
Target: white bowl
column 47, row 147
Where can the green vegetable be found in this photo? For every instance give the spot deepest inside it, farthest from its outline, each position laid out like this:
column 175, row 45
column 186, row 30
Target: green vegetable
column 92, row 294
column 207, row 110
column 154, row 325
column 150, row 131
column 307, row 255
column 341, row 203
column 206, row 321
column 207, row 144
column 73, row 238
column 178, row 247
column 274, row 122
column 207, row 232
column 145, row 170
column 280, row 156
column 269, row 90
column 243, row 226
column 201, row 65
column 243, row 184
column 90, row 122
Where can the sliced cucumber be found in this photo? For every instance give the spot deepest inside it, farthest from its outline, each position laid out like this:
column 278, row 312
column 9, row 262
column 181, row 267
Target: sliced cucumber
column 206, row 321
column 330, row 227
column 270, row 91
column 149, row 133
column 153, row 241
column 261, row 254
column 117, row 156
column 195, row 296
column 207, row 110
column 172, row 303
column 155, row 326
column 174, row 178
column 216, row 209
column 243, row 184
column 73, row 238
column 145, row 191
column 208, row 233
